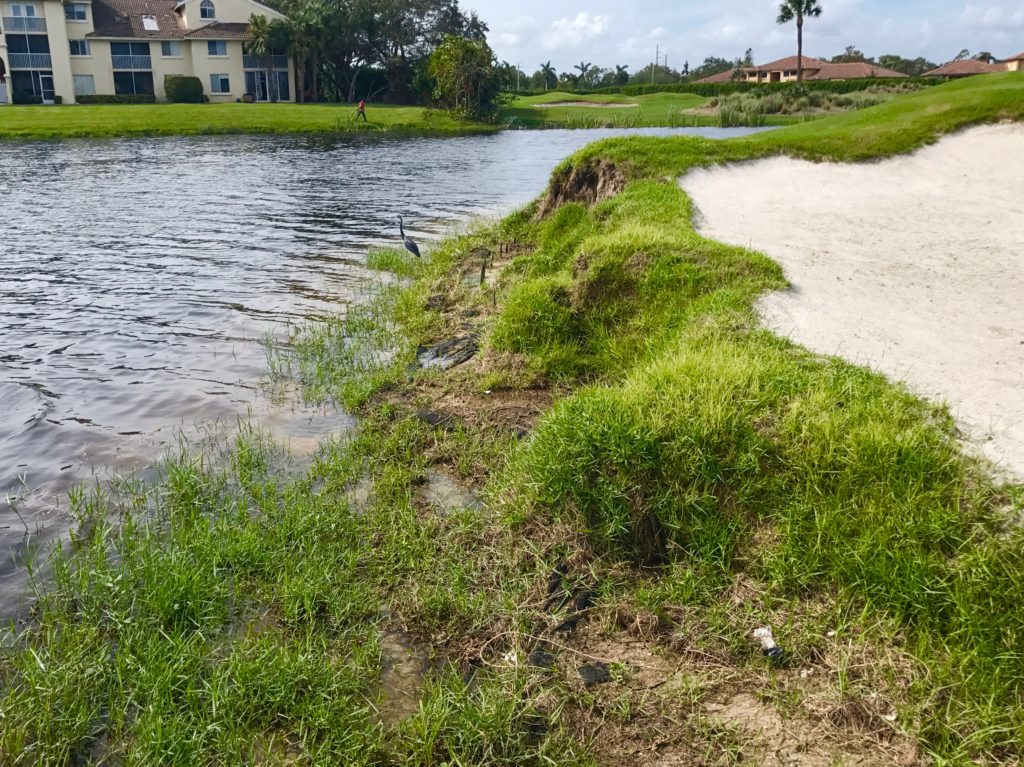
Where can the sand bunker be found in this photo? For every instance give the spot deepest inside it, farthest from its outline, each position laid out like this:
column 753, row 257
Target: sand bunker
column 597, row 104
column 913, row 266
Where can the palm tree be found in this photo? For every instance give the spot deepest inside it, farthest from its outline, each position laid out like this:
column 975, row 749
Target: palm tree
column 621, row 75
column 304, row 22
column 584, row 67
column 260, row 46
column 550, row 75
column 799, row 10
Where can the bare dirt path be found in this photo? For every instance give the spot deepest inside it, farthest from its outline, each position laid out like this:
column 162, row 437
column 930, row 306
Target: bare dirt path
column 913, row 266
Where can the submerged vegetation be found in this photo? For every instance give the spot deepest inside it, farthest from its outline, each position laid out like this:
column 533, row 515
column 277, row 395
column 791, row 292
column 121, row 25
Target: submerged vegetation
column 654, row 475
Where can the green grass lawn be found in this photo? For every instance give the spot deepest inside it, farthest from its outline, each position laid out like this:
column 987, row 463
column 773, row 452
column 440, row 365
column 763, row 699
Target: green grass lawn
column 689, row 473
column 38, row 122
column 656, row 110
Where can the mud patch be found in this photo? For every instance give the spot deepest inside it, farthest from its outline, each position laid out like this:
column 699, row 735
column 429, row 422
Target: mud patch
column 447, row 354
column 448, row 496
column 402, row 678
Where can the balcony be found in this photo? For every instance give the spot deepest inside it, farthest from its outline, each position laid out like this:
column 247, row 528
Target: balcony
column 30, row 60
column 254, row 62
column 121, row 63
column 24, row 24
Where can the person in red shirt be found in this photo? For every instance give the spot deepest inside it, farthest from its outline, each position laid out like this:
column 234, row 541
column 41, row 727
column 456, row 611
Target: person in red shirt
column 361, row 110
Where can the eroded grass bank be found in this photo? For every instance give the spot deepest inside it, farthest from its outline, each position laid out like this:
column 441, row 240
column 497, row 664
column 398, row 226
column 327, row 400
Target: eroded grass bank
column 658, row 477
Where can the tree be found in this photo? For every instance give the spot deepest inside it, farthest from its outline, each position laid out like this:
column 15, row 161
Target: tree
column 799, row 10
column 621, row 75
column 304, row 23
column 964, row 54
column 748, row 58
column 986, row 57
column 550, row 75
column 466, row 78
column 584, row 77
column 914, row 68
column 849, row 56
column 264, row 35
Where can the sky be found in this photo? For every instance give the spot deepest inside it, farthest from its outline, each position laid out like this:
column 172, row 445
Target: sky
column 610, row 32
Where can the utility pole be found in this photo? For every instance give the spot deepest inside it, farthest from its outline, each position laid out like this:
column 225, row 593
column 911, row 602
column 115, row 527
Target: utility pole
column 657, row 58
column 518, row 70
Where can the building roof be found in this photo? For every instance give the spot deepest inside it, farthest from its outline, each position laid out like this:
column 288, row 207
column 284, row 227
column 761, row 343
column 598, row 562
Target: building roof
column 790, row 62
column 1018, row 57
column 965, row 68
column 853, row 71
column 221, row 30
column 123, row 19
column 721, row 77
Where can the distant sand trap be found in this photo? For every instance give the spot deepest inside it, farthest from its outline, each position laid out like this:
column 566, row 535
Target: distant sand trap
column 597, row 104
column 913, row 266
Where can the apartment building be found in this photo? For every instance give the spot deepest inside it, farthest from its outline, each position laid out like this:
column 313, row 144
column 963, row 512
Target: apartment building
column 54, row 51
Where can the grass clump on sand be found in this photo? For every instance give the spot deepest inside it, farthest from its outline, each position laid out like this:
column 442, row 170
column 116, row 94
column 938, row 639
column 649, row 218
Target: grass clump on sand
column 654, row 477
column 110, row 120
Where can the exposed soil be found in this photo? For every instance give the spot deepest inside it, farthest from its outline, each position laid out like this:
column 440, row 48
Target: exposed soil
column 587, row 183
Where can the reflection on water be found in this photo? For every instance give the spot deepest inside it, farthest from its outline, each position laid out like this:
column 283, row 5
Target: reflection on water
column 139, row 277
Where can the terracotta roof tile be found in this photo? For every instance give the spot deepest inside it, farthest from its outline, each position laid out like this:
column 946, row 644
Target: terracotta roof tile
column 853, row 71
column 721, row 77
column 790, row 62
column 221, row 30
column 123, row 19
column 1018, row 57
column 965, row 68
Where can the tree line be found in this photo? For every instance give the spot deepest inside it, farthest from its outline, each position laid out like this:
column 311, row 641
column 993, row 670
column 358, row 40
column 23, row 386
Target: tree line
column 347, row 50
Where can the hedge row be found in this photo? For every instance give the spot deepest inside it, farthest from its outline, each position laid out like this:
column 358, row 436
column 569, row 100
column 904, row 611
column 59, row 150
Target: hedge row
column 184, row 90
column 141, row 98
column 724, row 89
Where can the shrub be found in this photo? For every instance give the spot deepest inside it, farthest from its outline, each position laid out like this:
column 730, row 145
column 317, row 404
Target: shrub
column 141, row 98
column 183, row 90
column 537, row 316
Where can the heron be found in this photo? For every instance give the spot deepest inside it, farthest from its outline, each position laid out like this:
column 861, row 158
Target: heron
column 410, row 243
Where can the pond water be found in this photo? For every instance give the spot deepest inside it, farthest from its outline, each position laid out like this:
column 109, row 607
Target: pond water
column 140, row 277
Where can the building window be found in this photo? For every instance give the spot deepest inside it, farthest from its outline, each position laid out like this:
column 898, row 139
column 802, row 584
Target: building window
column 79, row 47
column 206, row 10
column 133, row 83
column 27, row 10
column 74, row 12
column 220, row 84
column 217, row 47
column 85, row 85
column 170, row 49
column 149, row 24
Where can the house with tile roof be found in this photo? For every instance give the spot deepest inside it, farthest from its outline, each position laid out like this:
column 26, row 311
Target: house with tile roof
column 57, row 51
column 785, row 70
column 1015, row 63
column 965, row 68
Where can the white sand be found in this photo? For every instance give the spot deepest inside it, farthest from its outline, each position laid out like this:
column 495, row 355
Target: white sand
column 913, row 266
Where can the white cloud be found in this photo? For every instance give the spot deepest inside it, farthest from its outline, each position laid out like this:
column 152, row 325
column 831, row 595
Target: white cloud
column 724, row 34
column 996, row 17
column 510, row 39
column 573, row 32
